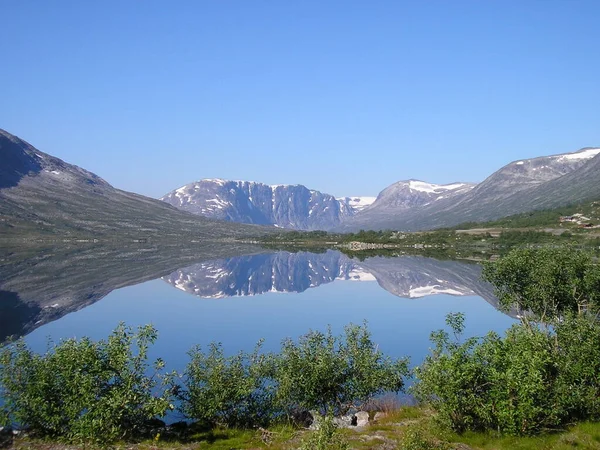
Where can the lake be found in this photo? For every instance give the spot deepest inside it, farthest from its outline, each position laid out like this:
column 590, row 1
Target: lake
column 196, row 295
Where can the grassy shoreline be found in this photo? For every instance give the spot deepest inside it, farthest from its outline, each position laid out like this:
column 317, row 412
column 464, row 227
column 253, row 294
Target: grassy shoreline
column 403, row 428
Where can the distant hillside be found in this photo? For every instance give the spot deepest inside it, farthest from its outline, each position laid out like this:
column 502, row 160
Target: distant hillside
column 571, row 216
column 524, row 185
column 44, row 197
column 403, row 198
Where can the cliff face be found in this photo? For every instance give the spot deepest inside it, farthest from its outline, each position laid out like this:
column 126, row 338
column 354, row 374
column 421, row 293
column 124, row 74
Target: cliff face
column 285, row 206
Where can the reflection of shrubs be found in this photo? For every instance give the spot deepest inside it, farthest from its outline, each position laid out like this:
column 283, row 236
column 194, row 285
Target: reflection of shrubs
column 84, row 390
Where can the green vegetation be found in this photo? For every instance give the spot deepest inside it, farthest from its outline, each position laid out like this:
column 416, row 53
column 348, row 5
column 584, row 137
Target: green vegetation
column 537, row 386
column 84, row 390
column 546, row 282
column 334, row 374
column 541, row 218
column 544, row 373
column 231, row 391
column 327, row 437
column 568, row 225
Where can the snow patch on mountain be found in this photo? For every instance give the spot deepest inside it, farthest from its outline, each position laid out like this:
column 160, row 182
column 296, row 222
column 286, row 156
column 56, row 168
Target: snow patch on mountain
column 284, row 206
column 431, row 188
column 587, row 153
column 357, row 203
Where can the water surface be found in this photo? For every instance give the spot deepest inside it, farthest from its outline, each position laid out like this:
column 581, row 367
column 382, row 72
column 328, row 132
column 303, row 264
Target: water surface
column 196, row 296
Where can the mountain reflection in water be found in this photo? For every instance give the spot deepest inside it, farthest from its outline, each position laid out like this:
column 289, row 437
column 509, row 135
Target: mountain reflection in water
column 408, row 277
column 38, row 286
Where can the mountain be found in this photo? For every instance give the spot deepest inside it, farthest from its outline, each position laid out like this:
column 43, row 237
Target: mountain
column 401, row 198
column 357, row 203
column 285, row 206
column 520, row 186
column 44, row 197
column 578, row 186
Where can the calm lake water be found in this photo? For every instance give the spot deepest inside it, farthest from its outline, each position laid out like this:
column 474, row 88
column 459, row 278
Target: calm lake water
column 239, row 300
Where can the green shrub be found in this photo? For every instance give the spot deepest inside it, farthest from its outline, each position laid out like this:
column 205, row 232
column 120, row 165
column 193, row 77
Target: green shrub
column 231, row 391
column 545, row 282
column 530, row 380
column 578, row 393
column 324, row 372
column 415, row 439
column 326, row 437
column 82, row 390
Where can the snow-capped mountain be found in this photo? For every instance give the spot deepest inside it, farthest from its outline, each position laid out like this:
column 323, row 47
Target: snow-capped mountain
column 520, row 186
column 285, row 206
column 357, row 203
column 414, row 193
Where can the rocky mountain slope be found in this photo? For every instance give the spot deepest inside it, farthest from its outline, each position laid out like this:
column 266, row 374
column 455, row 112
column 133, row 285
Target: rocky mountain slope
column 285, row 206
column 517, row 187
column 44, row 197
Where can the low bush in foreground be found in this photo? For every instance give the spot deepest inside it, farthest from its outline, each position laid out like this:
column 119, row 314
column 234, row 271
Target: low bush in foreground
column 326, row 373
column 84, row 390
column 228, row 390
column 531, row 380
column 544, row 373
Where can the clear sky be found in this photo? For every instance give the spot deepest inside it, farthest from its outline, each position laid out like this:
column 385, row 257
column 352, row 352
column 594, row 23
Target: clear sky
column 345, row 97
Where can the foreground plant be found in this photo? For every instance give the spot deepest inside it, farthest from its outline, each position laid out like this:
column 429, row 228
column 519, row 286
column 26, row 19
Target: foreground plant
column 228, row 390
column 326, row 437
column 324, row 372
column 82, row 390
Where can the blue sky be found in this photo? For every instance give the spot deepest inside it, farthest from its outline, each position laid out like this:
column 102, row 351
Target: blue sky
column 345, row 97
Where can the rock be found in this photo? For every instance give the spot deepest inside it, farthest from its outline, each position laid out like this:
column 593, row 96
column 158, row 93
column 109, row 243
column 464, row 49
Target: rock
column 316, row 423
column 362, row 418
column 302, row 417
column 343, row 421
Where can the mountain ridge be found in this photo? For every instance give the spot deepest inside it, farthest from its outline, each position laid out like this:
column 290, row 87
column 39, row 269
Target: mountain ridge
column 43, row 197
column 504, row 192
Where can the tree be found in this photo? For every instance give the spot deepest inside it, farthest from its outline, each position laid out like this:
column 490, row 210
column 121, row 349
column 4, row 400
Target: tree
column 545, row 282
column 335, row 373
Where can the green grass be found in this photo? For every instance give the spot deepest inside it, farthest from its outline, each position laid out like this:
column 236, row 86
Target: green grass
column 390, row 433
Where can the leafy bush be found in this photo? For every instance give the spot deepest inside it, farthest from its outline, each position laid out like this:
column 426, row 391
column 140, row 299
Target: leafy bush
column 82, row 390
column 530, row 380
column 578, row 339
column 545, row 282
column 234, row 390
column 415, row 439
column 325, row 372
column 326, row 437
